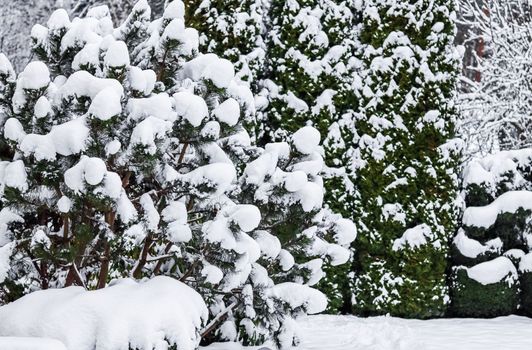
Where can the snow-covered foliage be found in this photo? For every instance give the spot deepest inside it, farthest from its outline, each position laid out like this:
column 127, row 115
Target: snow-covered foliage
column 168, row 312
column 232, row 29
column 497, row 99
column 18, row 16
column 125, row 156
column 495, row 236
column 311, row 78
column 406, row 158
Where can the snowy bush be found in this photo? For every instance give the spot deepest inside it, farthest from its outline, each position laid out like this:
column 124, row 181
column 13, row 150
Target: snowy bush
column 488, row 289
column 168, row 312
column 495, row 233
column 310, row 78
column 124, row 155
column 406, row 158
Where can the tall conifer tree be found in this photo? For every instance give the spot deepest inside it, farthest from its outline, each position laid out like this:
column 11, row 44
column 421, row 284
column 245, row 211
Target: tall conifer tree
column 406, row 181
column 311, row 78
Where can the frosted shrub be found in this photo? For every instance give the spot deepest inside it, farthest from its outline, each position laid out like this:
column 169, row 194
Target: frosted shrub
column 124, row 155
column 491, row 251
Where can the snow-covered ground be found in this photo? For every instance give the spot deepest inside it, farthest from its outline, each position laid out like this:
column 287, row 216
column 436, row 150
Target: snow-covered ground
column 387, row 333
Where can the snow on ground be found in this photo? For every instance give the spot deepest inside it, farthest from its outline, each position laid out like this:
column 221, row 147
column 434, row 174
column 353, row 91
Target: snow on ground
column 19, row 343
column 325, row 332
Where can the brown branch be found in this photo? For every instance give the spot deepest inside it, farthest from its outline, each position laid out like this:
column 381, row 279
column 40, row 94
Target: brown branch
column 125, row 180
column 73, row 276
column 143, row 258
column 65, row 227
column 182, row 154
column 218, row 319
column 159, row 264
column 104, row 269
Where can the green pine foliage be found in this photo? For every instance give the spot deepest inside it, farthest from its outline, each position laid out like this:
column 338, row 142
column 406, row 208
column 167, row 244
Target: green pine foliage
column 233, row 30
column 526, row 289
column 311, row 79
column 406, row 176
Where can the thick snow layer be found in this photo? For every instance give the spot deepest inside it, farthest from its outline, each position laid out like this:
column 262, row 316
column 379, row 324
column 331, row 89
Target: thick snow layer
column 191, row 107
column 141, row 80
column 58, row 20
column 345, row 231
column 299, row 295
column 42, row 108
column 6, row 68
column 310, row 196
column 188, row 38
column 210, row 67
column 228, row 112
column 472, row 248
column 141, row 315
column 175, row 9
column 219, row 175
column 106, row 104
column 28, row 343
column 488, row 169
column 87, row 56
column 270, row 246
column 325, row 332
column 414, row 237
column 35, row 76
column 117, row 55
column 15, row 175
column 493, row 271
column 64, row 204
column 508, row 202
column 83, row 83
column 246, row 216
column 306, row 140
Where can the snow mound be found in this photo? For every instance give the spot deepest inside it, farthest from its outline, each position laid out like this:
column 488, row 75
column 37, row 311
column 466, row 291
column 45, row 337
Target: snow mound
column 492, row 167
column 493, row 271
column 414, row 237
column 306, row 140
column 508, row 202
column 472, row 248
column 299, row 295
column 143, row 316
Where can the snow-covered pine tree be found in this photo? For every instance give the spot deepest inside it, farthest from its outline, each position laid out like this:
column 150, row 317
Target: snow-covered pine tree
column 233, row 30
column 407, row 183
column 311, row 79
column 128, row 158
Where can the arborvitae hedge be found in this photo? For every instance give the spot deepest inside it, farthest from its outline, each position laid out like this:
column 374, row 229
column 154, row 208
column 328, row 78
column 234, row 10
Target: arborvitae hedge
column 473, row 299
column 406, row 176
column 496, row 223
